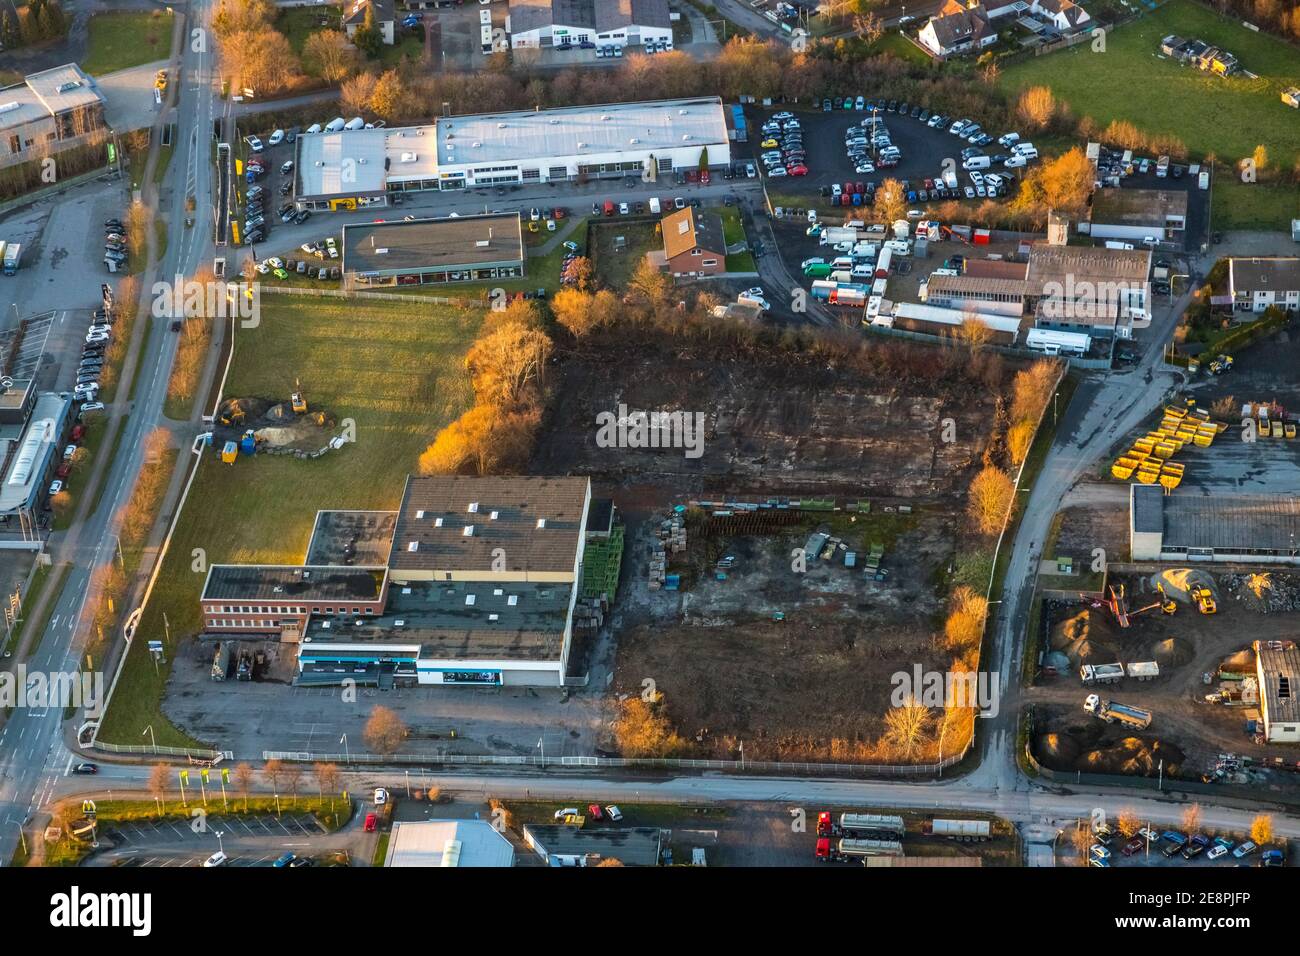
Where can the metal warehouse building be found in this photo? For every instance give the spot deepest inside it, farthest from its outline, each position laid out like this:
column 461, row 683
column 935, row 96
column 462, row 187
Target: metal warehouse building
column 455, row 249
column 1251, row 529
column 354, row 168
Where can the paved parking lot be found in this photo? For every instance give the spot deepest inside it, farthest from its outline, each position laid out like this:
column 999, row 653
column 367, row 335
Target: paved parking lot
column 924, row 150
column 247, row 841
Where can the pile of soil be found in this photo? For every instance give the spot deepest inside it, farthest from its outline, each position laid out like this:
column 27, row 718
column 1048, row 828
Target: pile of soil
column 237, row 411
column 1265, row 591
column 1135, row 756
column 1171, row 652
column 1085, row 637
column 1242, row 662
column 1057, row 751
column 1180, row 582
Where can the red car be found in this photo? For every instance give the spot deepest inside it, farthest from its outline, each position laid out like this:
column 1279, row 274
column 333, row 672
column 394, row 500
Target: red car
column 799, row 169
column 704, row 177
column 1133, row 846
column 559, row 212
column 860, row 188
column 63, row 470
column 77, row 432
column 372, row 822
column 594, row 811
column 848, row 188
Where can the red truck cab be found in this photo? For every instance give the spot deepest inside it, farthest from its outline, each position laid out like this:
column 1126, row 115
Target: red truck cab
column 609, row 207
column 824, row 849
column 825, row 827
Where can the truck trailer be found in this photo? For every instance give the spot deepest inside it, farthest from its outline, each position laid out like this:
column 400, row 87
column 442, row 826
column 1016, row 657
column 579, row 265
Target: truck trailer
column 1101, row 673
column 860, row 825
column 849, row 849
column 1111, row 711
column 963, row 830
column 1052, row 342
column 1144, row 670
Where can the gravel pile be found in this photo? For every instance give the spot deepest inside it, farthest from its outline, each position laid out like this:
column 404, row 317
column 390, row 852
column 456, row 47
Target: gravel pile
column 1266, row 591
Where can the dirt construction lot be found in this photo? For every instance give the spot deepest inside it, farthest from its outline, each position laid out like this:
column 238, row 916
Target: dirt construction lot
column 1186, row 732
column 797, row 665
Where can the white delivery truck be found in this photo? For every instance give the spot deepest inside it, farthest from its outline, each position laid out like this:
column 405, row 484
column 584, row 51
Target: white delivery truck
column 654, row 205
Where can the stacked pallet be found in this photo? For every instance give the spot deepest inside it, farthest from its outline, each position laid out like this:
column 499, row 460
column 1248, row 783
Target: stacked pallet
column 670, row 539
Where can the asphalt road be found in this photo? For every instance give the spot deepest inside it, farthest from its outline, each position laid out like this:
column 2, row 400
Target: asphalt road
column 32, row 752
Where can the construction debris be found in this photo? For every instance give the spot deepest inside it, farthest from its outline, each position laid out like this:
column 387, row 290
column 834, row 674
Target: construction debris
column 670, row 539
column 1267, row 592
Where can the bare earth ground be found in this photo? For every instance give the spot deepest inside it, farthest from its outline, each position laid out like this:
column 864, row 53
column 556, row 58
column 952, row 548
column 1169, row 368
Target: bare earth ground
column 1186, row 732
column 816, row 684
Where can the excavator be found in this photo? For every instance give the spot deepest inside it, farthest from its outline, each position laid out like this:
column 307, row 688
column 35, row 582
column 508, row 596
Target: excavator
column 1204, row 599
column 297, row 399
column 1119, row 606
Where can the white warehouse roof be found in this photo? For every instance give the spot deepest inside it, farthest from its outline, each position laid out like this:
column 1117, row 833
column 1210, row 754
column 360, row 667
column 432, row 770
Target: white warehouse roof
column 580, row 130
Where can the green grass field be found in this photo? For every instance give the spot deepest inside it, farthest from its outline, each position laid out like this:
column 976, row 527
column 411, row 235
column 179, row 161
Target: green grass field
column 1210, row 114
column 117, row 41
column 394, row 369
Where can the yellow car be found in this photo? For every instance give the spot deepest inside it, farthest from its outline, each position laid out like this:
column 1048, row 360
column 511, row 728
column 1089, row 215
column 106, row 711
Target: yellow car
column 769, row 143
column 160, row 80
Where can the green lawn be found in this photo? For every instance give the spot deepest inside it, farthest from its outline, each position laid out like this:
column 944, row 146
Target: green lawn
column 117, row 41
column 614, row 266
column 733, row 231
column 394, row 369
column 1239, row 205
column 1210, row 114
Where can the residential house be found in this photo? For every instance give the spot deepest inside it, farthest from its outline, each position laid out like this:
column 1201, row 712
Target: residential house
column 1065, row 15
column 354, row 17
column 693, row 244
column 958, row 29
column 1255, row 284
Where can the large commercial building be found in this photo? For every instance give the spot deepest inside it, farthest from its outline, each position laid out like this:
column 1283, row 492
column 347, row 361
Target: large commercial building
column 1138, row 215
column 1097, row 291
column 1247, row 529
column 561, row 23
column 560, row 845
column 448, row 843
column 354, row 168
column 48, row 112
column 33, row 429
column 454, row 249
column 478, row 584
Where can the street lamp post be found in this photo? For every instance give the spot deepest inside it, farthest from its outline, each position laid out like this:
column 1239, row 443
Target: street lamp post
column 149, row 730
column 347, row 757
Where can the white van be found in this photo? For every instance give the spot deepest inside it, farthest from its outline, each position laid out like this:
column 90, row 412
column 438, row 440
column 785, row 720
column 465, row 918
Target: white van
column 1028, row 154
column 355, row 123
column 1009, row 140
column 842, row 262
column 336, row 124
column 899, row 247
column 976, row 162
column 1013, row 162
column 841, row 275
column 1023, row 147
column 1112, row 244
column 654, row 205
column 314, row 128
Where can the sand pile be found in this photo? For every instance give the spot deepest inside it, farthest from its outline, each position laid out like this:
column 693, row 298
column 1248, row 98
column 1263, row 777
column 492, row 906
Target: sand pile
column 1179, row 583
column 1057, row 751
column 1085, row 638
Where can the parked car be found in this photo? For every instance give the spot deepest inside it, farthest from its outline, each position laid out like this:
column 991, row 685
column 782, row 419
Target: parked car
column 1245, row 850
column 1216, row 851
column 284, row 859
column 86, row 768
column 217, row 859
column 276, row 138
column 614, row 813
column 254, row 143
column 566, row 812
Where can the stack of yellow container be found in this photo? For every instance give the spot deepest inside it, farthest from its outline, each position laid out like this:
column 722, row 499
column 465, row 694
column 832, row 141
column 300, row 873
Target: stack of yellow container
column 1150, row 457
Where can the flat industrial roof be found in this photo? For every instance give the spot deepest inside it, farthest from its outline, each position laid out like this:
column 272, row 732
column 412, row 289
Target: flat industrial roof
column 1232, row 523
column 535, row 135
column 453, row 523
column 46, row 93
column 632, row 846
column 995, row 269
column 977, row 285
column 1146, row 509
column 274, row 582
column 954, row 317
column 461, row 620
column 448, row 843
column 348, row 163
column 352, row 538
column 1070, row 266
column 1138, row 207
column 432, row 243
column 32, row 454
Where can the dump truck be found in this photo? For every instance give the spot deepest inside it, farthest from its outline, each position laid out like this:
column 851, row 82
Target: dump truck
column 1204, row 599
column 1111, row 711
column 1101, row 673
column 963, row 830
column 848, row 849
column 1144, row 670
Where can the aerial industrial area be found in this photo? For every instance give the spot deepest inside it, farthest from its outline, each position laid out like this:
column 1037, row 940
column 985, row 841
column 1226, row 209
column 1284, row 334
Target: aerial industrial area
column 645, row 433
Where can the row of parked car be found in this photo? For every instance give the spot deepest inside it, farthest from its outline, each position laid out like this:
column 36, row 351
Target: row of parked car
column 116, row 251
column 783, row 149
column 1171, row 843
